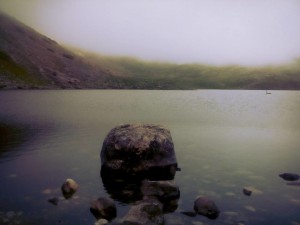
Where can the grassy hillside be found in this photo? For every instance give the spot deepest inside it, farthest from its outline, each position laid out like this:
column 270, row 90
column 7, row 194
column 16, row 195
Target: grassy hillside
column 13, row 73
column 133, row 73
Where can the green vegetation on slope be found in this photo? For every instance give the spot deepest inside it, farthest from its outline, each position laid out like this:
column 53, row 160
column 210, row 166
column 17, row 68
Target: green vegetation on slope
column 133, row 73
column 10, row 71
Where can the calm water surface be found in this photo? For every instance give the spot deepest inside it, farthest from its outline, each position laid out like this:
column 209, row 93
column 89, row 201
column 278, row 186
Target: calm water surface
column 224, row 141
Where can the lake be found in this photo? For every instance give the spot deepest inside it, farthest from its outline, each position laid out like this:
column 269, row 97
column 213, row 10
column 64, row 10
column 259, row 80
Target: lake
column 224, row 141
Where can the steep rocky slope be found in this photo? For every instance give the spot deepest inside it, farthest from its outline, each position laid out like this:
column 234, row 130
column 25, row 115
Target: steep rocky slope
column 31, row 60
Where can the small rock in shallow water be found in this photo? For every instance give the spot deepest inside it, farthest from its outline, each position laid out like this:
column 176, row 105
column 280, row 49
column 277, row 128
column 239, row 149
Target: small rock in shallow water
column 289, row 176
column 206, row 207
column 145, row 212
column 53, row 201
column 247, row 191
column 69, row 188
column 103, row 208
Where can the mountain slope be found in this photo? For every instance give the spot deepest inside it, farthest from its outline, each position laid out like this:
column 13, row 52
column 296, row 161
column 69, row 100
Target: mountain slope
column 31, row 60
column 135, row 73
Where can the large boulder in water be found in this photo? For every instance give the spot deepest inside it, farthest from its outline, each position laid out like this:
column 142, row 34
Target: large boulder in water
column 139, row 149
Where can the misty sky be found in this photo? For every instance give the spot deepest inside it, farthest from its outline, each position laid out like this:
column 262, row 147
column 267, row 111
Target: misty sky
column 249, row 32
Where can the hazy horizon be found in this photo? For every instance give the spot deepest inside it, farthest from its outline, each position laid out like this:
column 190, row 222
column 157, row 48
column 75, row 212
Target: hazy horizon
column 192, row 31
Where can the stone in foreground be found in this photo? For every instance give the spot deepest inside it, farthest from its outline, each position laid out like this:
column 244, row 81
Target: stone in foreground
column 53, row 200
column 104, row 208
column 247, row 191
column 140, row 149
column 289, row 176
column 145, row 212
column 167, row 192
column 160, row 189
column 206, row 207
column 69, row 188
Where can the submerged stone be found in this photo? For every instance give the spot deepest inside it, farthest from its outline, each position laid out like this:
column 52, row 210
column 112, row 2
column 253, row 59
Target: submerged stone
column 206, row 207
column 121, row 187
column 289, row 176
column 53, row 201
column 160, row 189
column 104, row 208
column 167, row 192
column 146, row 212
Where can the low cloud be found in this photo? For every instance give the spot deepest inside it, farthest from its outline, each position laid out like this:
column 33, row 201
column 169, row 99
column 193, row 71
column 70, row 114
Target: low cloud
column 191, row 31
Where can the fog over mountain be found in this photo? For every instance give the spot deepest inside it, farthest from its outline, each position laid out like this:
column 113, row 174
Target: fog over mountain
column 33, row 59
column 250, row 32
